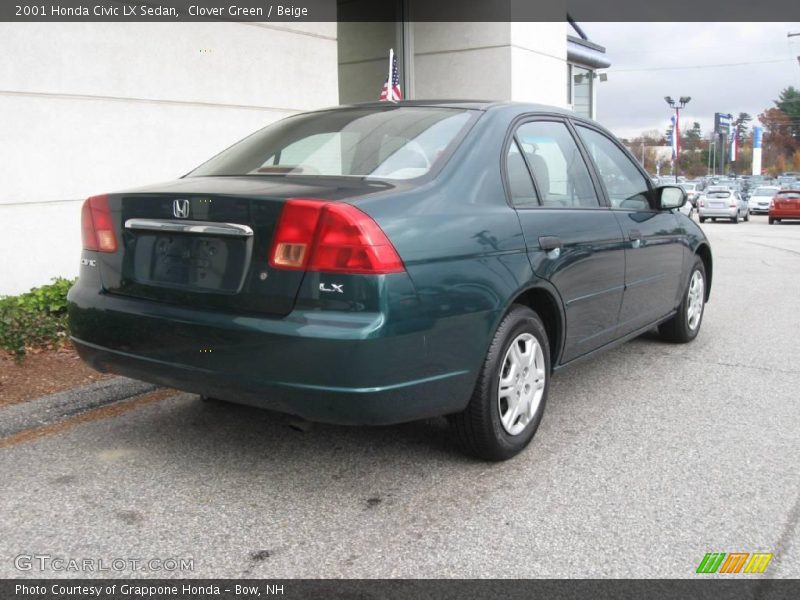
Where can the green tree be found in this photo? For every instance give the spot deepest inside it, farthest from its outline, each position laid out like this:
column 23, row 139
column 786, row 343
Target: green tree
column 692, row 137
column 742, row 123
column 789, row 103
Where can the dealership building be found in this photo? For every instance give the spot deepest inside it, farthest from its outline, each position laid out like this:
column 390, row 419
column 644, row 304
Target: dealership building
column 96, row 107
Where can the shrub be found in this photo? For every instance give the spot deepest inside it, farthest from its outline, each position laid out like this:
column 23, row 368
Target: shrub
column 35, row 319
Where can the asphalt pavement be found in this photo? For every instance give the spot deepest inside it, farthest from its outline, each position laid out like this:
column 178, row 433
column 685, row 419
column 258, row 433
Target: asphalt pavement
column 648, row 457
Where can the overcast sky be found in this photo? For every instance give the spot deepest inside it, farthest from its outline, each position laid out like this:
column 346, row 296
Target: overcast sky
column 653, row 60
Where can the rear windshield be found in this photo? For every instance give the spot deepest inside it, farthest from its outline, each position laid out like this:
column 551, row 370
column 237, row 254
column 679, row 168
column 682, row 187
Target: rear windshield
column 790, row 193
column 384, row 143
column 764, row 191
column 719, row 194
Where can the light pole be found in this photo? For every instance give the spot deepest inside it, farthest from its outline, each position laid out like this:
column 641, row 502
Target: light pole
column 682, row 101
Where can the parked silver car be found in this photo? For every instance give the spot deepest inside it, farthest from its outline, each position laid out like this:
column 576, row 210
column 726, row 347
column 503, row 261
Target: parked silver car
column 760, row 198
column 722, row 203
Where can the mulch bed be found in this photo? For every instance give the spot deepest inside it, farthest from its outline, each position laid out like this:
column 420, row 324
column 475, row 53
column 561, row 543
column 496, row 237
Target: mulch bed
column 41, row 373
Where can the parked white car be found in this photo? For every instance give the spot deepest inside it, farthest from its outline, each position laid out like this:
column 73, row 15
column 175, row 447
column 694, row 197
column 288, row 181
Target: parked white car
column 760, row 198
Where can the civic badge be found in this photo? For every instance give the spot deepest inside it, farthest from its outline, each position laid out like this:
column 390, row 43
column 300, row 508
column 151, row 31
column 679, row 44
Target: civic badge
column 180, row 208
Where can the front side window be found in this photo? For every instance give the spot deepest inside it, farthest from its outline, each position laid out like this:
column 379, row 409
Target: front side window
column 626, row 186
column 561, row 175
column 385, row 143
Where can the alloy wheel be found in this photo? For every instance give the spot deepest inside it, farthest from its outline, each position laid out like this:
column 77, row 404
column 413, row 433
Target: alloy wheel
column 522, row 383
column 696, row 294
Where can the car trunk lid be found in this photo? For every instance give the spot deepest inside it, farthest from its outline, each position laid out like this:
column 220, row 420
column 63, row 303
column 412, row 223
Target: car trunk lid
column 787, row 200
column 205, row 242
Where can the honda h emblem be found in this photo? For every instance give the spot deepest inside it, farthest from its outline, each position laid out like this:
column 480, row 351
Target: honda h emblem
column 180, row 208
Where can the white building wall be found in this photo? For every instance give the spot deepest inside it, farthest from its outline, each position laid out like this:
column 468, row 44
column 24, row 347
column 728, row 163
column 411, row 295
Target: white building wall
column 539, row 63
column 87, row 108
column 525, row 62
column 462, row 61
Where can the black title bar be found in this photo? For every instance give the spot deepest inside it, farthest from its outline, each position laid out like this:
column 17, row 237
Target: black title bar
column 397, row 10
column 700, row 588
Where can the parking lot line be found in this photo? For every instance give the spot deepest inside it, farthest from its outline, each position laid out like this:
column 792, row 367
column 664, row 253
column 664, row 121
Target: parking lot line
column 105, row 412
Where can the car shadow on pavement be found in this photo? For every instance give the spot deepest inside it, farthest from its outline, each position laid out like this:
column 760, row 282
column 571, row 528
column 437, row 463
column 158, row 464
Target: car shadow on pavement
column 224, row 427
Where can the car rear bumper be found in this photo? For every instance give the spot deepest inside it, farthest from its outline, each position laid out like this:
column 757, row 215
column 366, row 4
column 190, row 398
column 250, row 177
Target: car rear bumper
column 784, row 214
column 345, row 368
column 720, row 213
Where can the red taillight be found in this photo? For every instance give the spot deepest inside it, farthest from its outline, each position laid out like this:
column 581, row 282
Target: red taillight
column 314, row 235
column 702, row 204
column 97, row 226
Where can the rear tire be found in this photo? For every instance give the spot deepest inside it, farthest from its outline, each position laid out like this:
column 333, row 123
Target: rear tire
column 685, row 325
column 702, row 219
column 735, row 219
column 771, row 221
column 508, row 401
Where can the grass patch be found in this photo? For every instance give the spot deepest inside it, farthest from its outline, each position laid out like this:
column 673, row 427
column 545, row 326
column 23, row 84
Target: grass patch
column 35, row 320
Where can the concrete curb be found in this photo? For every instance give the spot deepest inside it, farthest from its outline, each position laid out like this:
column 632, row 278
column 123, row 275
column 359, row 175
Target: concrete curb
column 59, row 406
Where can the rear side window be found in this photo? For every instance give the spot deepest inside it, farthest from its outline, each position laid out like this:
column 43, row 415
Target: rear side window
column 625, row 185
column 520, row 184
column 561, row 175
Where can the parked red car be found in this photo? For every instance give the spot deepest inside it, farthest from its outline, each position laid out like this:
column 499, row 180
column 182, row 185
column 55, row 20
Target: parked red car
column 785, row 205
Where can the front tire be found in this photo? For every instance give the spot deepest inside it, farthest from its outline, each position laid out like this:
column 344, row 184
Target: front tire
column 702, row 219
column 685, row 325
column 508, row 401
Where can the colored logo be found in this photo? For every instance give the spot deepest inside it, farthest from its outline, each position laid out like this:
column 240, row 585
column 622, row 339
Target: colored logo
column 734, row 562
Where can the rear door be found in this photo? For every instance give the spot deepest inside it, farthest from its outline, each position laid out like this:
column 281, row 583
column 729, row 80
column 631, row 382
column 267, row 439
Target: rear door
column 653, row 238
column 572, row 239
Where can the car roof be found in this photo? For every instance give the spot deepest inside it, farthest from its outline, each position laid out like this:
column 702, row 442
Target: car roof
column 482, row 105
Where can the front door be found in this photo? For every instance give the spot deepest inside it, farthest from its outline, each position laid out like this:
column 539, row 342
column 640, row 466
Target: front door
column 653, row 237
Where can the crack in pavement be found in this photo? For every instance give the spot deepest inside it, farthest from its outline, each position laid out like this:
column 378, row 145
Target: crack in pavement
column 774, row 247
column 734, row 365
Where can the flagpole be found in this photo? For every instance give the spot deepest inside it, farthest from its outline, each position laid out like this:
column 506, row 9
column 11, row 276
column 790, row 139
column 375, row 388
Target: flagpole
column 389, row 88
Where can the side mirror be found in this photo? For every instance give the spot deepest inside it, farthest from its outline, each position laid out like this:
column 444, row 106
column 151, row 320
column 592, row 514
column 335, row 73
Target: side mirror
column 669, row 197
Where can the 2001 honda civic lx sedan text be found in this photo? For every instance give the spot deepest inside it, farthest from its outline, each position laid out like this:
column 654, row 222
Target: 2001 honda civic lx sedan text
column 381, row 263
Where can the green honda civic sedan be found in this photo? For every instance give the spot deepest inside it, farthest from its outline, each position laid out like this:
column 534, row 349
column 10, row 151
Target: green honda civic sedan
column 380, row 263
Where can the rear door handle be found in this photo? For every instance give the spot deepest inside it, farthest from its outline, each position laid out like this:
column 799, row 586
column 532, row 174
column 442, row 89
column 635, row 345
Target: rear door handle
column 548, row 243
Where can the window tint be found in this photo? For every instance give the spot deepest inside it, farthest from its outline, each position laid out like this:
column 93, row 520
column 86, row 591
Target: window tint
column 519, row 179
column 626, row 186
column 557, row 165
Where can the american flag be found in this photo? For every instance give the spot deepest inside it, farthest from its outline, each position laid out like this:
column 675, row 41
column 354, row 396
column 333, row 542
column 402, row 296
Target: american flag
column 394, row 94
